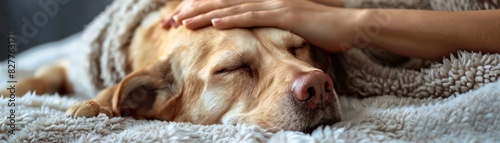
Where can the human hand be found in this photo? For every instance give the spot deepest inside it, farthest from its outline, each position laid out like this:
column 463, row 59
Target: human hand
column 186, row 5
column 319, row 24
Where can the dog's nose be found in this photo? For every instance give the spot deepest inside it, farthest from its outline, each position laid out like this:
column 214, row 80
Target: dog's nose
column 314, row 87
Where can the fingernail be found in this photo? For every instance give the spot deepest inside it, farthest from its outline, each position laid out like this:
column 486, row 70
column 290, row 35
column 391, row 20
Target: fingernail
column 184, row 22
column 216, row 20
column 175, row 17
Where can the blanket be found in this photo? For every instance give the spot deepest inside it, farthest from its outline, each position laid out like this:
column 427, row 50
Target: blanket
column 455, row 100
column 468, row 117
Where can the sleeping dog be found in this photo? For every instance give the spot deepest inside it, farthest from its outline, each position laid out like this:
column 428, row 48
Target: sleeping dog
column 259, row 76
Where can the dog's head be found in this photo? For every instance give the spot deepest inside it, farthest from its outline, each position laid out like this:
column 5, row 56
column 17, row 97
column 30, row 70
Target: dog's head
column 263, row 76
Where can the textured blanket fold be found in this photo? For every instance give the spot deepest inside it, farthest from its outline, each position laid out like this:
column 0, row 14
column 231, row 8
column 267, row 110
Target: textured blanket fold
column 451, row 77
column 456, row 100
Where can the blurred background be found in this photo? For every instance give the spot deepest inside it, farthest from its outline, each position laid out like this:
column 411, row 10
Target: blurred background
column 39, row 21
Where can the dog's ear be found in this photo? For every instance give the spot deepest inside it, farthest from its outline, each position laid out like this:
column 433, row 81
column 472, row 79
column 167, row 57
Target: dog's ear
column 146, row 93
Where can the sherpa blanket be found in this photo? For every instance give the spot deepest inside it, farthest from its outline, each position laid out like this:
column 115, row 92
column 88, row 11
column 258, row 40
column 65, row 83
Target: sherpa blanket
column 455, row 100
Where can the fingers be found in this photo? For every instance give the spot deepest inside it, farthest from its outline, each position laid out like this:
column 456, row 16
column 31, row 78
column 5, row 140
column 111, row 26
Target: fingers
column 204, row 19
column 168, row 21
column 189, row 9
column 206, row 6
column 250, row 19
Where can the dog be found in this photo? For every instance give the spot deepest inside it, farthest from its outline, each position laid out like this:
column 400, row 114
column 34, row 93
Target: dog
column 267, row 77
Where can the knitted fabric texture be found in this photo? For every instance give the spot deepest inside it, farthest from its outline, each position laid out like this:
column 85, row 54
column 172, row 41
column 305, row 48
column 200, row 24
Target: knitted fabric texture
column 108, row 37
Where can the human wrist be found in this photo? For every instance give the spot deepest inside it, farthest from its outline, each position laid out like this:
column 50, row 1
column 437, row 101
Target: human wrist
column 350, row 24
column 368, row 26
column 335, row 28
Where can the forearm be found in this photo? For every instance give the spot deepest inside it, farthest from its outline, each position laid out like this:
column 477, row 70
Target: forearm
column 431, row 34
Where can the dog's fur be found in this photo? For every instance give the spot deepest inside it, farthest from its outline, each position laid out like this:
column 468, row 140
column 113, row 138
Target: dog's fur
column 206, row 76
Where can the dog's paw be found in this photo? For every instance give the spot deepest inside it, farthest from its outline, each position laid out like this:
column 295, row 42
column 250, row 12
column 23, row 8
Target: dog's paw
column 88, row 108
column 4, row 93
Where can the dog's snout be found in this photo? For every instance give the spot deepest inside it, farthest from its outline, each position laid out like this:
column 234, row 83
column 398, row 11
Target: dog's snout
column 314, row 87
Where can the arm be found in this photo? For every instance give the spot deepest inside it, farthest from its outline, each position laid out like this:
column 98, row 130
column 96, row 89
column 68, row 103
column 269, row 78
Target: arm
column 430, row 34
column 414, row 33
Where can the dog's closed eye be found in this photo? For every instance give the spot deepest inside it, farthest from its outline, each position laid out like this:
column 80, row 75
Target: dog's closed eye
column 233, row 69
column 293, row 49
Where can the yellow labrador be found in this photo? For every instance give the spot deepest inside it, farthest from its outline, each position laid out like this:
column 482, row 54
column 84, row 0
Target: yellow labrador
column 262, row 76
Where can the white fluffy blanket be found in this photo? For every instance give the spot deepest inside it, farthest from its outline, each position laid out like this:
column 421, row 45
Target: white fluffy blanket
column 470, row 113
column 470, row 117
